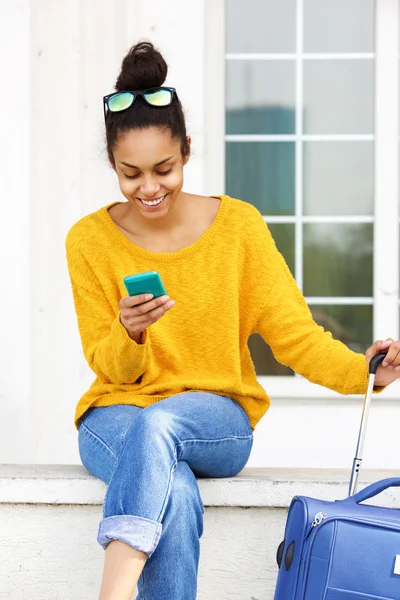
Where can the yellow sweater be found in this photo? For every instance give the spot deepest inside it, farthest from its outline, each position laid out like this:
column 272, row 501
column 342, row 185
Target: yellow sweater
column 230, row 283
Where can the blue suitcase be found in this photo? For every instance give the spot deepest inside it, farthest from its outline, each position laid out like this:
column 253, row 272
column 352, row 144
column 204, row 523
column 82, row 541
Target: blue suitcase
column 342, row 550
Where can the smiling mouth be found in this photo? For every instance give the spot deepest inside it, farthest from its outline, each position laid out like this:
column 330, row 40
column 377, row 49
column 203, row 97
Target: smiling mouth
column 155, row 202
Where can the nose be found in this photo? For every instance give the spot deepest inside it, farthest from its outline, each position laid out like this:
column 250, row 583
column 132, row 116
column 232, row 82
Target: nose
column 150, row 187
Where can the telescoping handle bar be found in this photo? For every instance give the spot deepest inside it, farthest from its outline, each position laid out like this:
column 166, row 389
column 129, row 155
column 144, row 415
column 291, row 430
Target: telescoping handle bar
column 373, row 367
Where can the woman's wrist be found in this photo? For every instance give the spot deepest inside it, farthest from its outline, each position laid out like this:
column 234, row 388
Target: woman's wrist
column 136, row 337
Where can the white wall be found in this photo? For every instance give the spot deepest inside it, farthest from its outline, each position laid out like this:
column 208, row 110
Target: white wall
column 237, row 557
column 58, row 60
column 65, row 57
column 15, row 298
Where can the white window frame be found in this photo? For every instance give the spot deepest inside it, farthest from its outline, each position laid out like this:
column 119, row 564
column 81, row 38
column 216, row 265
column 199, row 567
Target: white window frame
column 386, row 164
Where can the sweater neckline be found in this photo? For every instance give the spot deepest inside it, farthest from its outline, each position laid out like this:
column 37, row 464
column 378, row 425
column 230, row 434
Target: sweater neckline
column 119, row 237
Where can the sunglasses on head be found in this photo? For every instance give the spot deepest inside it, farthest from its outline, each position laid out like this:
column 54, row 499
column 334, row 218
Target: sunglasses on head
column 161, row 96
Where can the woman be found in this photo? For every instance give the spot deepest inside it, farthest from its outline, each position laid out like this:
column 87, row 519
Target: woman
column 175, row 395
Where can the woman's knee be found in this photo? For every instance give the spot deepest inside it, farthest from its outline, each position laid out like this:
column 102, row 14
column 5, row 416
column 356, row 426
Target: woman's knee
column 154, row 424
column 96, row 456
column 101, row 434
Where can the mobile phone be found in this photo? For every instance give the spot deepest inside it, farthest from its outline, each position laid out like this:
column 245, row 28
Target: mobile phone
column 145, row 283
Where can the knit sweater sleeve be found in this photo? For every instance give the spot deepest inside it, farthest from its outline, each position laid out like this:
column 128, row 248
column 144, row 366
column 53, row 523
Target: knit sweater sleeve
column 110, row 352
column 286, row 324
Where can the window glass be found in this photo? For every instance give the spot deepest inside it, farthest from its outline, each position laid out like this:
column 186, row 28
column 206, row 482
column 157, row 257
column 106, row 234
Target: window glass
column 339, row 26
column 338, row 96
column 262, row 173
column 260, row 97
column 338, row 178
column 338, row 259
column 261, row 26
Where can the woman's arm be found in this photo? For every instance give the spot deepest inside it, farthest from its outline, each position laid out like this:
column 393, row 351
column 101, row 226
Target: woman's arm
column 286, row 324
column 111, row 353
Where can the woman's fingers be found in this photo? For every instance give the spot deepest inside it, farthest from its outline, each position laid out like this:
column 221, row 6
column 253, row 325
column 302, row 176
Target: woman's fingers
column 139, row 312
column 392, row 349
column 148, row 307
column 140, row 304
column 131, row 301
column 155, row 314
column 392, row 359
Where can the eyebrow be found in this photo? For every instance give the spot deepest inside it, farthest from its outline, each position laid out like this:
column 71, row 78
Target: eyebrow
column 156, row 165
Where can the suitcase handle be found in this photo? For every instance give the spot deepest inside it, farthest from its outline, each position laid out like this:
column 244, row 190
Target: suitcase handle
column 374, row 489
column 373, row 367
column 375, row 362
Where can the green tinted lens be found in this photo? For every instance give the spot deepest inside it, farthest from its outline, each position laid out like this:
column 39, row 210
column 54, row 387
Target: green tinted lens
column 159, row 98
column 120, row 101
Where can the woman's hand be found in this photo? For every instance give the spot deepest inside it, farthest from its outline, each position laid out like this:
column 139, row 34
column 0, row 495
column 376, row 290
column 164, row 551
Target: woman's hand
column 389, row 370
column 139, row 312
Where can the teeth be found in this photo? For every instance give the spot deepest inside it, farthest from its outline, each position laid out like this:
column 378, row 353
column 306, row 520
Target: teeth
column 153, row 202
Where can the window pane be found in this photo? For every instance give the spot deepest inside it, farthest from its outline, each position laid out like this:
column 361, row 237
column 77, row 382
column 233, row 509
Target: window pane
column 263, row 359
column 338, row 178
column 339, row 26
column 338, row 259
column 261, row 26
column 352, row 325
column 260, row 97
column 338, row 96
column 283, row 234
column 262, row 173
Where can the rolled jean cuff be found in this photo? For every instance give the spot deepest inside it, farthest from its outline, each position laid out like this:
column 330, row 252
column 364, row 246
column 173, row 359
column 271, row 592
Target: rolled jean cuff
column 139, row 533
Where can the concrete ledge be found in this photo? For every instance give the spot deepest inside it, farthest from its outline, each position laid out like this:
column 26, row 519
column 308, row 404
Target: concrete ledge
column 266, row 488
column 50, row 514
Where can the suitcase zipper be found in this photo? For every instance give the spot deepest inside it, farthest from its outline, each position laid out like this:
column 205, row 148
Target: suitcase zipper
column 319, row 517
column 314, row 530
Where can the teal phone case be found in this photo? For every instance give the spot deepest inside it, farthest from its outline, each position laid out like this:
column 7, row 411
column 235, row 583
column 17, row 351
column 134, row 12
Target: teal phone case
column 145, row 283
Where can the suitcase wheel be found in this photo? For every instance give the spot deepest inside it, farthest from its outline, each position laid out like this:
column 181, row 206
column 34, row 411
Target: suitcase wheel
column 289, row 555
column 279, row 553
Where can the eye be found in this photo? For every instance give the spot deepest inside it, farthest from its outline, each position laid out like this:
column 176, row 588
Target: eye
column 164, row 172
column 131, row 176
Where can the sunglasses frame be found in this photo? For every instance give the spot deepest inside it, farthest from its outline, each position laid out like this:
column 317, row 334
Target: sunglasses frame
column 135, row 94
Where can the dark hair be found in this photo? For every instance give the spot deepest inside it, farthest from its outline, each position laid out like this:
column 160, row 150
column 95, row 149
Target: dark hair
column 144, row 67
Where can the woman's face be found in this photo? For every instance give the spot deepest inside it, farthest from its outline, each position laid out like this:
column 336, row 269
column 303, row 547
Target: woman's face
column 149, row 166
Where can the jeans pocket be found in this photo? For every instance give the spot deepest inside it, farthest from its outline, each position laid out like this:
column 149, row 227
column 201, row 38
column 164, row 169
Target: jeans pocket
column 96, row 456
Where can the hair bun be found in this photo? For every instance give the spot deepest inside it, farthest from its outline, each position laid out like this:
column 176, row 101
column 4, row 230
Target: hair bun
column 143, row 67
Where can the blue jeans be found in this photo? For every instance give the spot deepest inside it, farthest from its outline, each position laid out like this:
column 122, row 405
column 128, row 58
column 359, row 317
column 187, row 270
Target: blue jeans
column 150, row 458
